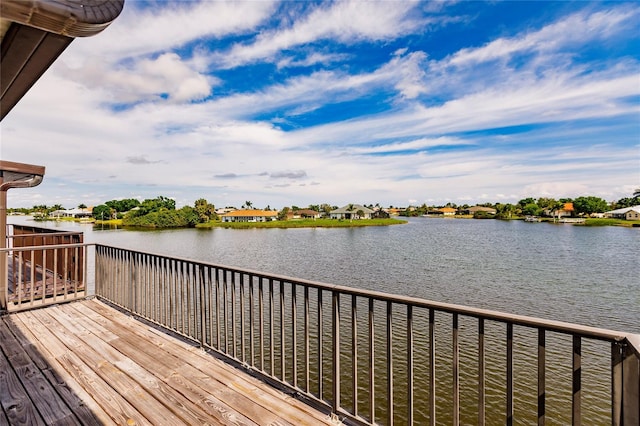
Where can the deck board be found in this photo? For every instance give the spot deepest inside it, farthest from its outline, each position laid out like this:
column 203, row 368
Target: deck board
column 87, row 363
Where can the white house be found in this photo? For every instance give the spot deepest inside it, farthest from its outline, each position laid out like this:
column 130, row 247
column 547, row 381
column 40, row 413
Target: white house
column 350, row 211
column 628, row 213
column 249, row 216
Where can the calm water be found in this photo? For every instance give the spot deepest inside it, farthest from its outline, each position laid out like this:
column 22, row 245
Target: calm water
column 586, row 275
column 570, row 273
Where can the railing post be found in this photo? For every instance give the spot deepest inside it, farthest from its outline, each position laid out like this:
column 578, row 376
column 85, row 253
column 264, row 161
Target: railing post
column 541, row 376
column 577, row 381
column 631, row 381
column 4, row 280
column 336, row 350
column 616, row 384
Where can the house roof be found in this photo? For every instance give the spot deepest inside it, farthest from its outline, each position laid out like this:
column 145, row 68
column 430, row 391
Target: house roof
column 481, row 209
column 625, row 210
column 356, row 207
column 447, row 210
column 251, row 213
column 34, row 33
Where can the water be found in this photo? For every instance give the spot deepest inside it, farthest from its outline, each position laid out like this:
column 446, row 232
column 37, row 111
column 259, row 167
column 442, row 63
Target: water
column 584, row 275
column 570, row 273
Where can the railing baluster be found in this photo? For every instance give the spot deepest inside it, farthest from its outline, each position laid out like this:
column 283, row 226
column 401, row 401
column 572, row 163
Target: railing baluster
column 294, row 337
column 456, row 372
column 577, row 381
column 233, row 315
column 225, row 310
column 203, row 306
column 509, row 373
column 541, row 376
column 409, row 365
column 481, row 374
column 217, row 281
column 372, row 363
column 432, row 368
column 251, row 322
column 354, row 353
column 282, row 343
column 306, row 340
column 242, row 318
column 261, row 320
column 335, row 314
column 616, row 384
column 320, row 351
column 389, row 363
column 271, row 330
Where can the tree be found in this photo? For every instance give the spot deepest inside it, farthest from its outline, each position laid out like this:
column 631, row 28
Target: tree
column 531, row 209
column 282, row 214
column 588, row 205
column 350, row 209
column 248, row 205
column 525, row 201
column 102, row 212
column 82, row 206
column 204, row 210
column 504, row 211
column 546, row 203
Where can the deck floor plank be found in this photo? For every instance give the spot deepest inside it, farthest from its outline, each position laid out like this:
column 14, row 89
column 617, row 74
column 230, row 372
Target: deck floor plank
column 165, row 368
column 108, row 368
column 72, row 336
column 173, row 401
column 87, row 384
column 243, row 390
column 15, row 401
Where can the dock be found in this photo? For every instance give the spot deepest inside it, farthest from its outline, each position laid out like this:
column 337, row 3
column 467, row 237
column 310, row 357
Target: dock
column 87, row 363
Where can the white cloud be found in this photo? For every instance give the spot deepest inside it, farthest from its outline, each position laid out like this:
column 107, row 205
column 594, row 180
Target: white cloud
column 158, row 29
column 579, row 28
column 345, row 21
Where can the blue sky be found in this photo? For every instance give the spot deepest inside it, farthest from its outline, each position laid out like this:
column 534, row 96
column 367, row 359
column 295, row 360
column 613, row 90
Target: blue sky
column 298, row 103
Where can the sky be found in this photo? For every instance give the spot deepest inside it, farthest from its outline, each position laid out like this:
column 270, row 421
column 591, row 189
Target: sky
column 394, row 103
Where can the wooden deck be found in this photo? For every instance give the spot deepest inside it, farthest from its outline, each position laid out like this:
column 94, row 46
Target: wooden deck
column 87, row 363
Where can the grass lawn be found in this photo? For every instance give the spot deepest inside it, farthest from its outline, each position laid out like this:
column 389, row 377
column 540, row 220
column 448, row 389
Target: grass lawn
column 302, row 223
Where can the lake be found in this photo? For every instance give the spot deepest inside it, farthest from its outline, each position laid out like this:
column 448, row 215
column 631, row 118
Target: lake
column 584, row 275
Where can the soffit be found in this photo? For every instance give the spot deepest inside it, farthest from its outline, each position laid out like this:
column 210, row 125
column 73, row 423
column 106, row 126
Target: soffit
column 34, row 33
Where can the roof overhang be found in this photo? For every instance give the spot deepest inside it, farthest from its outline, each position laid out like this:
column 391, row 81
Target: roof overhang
column 19, row 175
column 34, row 33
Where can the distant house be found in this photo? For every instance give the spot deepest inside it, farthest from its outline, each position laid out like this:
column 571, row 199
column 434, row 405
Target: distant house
column 75, row 213
column 475, row 209
column 352, row 213
column 249, row 216
column 628, row 213
column 446, row 211
column 303, row 214
column 567, row 210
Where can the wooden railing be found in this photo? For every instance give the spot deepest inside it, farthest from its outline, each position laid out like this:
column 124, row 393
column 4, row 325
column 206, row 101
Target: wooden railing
column 40, row 267
column 370, row 358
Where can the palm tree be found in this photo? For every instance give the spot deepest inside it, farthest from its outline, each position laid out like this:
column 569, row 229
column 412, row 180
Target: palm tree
column 350, row 209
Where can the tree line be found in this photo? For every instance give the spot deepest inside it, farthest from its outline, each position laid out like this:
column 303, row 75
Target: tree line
column 161, row 211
